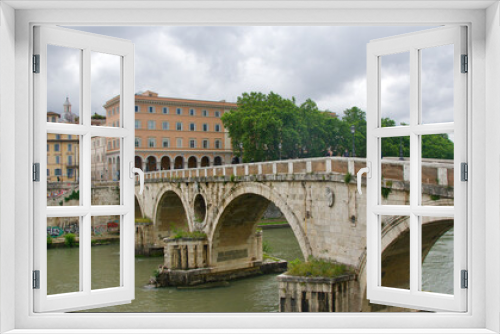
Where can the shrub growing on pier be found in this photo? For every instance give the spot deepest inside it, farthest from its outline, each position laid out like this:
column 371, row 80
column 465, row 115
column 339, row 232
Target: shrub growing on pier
column 316, row 268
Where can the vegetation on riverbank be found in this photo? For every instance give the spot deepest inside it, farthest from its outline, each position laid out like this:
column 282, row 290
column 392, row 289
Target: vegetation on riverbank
column 179, row 234
column 265, row 222
column 316, row 268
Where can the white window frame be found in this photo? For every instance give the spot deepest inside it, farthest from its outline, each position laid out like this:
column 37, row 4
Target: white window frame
column 151, row 125
column 483, row 314
column 167, row 141
column 165, row 111
column 165, row 125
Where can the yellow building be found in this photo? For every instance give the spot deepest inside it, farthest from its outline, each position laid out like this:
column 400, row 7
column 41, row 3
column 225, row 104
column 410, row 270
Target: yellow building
column 63, row 151
column 172, row 133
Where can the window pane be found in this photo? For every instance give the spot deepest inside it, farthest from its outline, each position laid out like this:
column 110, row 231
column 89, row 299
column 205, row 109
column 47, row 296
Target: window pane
column 105, row 89
column 63, row 255
column 437, row 169
column 395, row 89
column 63, row 84
column 395, row 167
column 437, row 254
column 395, row 256
column 63, row 170
column 105, row 254
column 437, row 84
column 105, row 170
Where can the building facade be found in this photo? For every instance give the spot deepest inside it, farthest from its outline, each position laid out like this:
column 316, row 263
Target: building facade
column 172, row 133
column 63, row 151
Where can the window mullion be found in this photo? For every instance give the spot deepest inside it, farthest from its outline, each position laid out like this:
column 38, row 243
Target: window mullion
column 414, row 159
column 85, row 175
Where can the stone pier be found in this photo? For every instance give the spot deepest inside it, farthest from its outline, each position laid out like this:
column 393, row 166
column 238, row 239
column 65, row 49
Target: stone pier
column 319, row 294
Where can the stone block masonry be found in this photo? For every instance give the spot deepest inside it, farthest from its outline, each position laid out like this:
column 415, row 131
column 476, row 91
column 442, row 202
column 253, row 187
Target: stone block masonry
column 319, row 294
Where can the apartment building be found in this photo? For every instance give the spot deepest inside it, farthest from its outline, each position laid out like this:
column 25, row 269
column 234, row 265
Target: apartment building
column 173, row 133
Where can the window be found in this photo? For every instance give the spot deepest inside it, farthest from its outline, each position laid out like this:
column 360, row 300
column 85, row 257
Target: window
column 192, row 112
column 178, row 126
column 192, row 127
column 56, row 147
column 217, row 144
column 69, row 137
column 205, row 127
column 205, row 113
column 205, row 143
column 118, row 110
column 178, row 111
column 69, row 147
column 192, row 143
column 382, row 19
column 137, row 142
column 152, row 142
column 83, row 212
column 137, row 109
column 151, row 125
column 165, row 110
column 217, row 127
column 165, row 143
column 217, row 113
column 48, row 147
column 151, row 109
column 165, row 125
column 414, row 54
column 48, row 172
column 179, row 143
column 137, row 124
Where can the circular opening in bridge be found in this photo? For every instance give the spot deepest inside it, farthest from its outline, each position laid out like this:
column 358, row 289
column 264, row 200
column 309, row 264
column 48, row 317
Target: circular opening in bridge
column 200, row 209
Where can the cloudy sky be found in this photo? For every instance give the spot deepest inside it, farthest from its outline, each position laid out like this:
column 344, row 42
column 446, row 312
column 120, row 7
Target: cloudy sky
column 326, row 64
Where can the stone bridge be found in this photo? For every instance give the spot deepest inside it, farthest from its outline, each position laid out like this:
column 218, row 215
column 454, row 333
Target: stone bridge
column 317, row 197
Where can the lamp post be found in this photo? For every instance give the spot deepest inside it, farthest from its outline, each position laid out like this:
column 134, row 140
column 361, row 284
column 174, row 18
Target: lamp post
column 401, row 148
column 279, row 147
column 241, row 152
column 353, row 130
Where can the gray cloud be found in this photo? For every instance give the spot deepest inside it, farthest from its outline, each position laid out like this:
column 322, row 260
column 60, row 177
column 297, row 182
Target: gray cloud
column 326, row 64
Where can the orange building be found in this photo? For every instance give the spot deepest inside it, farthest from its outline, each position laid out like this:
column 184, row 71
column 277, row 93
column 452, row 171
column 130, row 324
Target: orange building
column 63, row 151
column 173, row 133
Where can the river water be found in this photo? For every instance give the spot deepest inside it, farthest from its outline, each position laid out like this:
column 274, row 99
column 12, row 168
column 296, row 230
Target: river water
column 256, row 294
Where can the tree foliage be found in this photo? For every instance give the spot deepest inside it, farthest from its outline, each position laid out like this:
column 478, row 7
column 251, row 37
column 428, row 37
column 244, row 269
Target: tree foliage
column 261, row 122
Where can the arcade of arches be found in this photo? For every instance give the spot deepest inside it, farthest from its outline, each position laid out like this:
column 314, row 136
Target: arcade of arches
column 152, row 163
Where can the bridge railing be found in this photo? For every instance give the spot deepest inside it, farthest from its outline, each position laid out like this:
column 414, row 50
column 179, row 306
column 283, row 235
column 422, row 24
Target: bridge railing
column 434, row 172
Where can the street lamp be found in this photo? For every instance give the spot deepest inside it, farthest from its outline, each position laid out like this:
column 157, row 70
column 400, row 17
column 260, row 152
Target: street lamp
column 241, row 152
column 279, row 146
column 353, row 129
column 401, row 148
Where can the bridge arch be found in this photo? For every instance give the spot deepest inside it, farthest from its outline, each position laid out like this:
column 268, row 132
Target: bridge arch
column 257, row 197
column 139, row 212
column 170, row 212
column 396, row 253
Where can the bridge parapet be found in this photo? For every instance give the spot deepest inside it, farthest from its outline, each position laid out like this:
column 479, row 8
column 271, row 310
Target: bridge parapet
column 434, row 172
